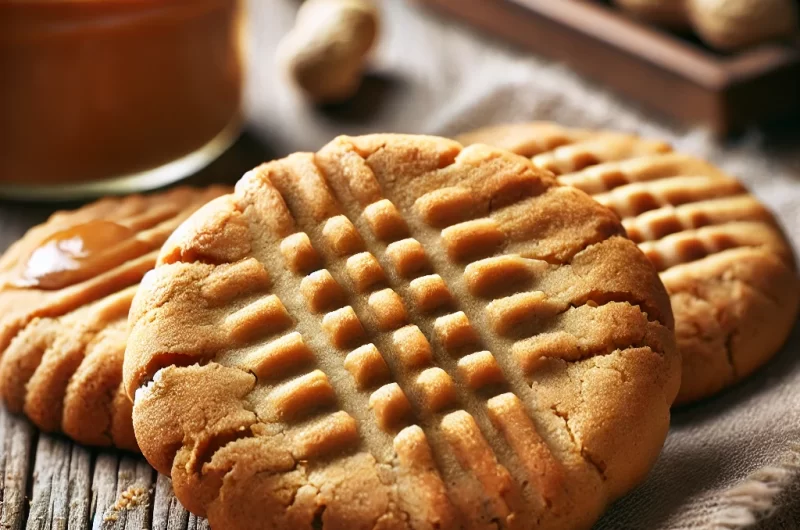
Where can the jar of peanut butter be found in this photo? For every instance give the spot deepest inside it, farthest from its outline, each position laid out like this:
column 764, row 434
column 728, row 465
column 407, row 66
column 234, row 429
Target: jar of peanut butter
column 112, row 96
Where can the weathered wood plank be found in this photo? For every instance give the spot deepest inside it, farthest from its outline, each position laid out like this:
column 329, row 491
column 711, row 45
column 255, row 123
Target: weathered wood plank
column 202, row 524
column 168, row 513
column 131, row 508
column 18, row 438
column 60, row 496
column 197, row 523
column 139, row 507
column 104, row 486
column 79, row 496
column 50, row 483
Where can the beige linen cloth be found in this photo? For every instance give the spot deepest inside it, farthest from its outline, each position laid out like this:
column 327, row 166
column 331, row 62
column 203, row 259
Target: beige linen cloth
column 730, row 461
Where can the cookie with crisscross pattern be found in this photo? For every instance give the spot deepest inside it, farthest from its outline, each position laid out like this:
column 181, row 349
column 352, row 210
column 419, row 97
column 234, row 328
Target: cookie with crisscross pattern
column 400, row 332
column 728, row 268
column 65, row 290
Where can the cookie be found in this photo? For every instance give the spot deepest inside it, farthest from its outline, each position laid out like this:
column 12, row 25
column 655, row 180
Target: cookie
column 398, row 332
column 720, row 253
column 65, row 291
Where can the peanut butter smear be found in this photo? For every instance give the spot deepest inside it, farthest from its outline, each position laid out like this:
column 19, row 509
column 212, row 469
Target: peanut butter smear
column 76, row 254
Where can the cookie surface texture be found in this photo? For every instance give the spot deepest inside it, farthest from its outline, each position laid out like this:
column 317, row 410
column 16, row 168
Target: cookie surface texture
column 728, row 268
column 65, row 291
column 398, row 332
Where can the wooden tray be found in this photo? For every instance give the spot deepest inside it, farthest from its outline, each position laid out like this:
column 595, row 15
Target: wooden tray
column 671, row 74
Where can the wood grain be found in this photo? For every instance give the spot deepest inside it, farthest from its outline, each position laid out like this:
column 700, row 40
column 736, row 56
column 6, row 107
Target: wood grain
column 49, row 483
column 18, row 439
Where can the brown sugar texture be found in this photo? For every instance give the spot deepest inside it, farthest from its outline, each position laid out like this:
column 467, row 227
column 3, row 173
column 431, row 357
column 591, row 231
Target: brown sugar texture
column 401, row 332
column 723, row 258
column 65, row 291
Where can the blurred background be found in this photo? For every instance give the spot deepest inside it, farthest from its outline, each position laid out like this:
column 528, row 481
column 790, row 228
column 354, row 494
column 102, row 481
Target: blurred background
column 95, row 95
column 117, row 96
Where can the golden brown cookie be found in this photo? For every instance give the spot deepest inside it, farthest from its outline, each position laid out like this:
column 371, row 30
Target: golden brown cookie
column 723, row 259
column 398, row 332
column 65, row 292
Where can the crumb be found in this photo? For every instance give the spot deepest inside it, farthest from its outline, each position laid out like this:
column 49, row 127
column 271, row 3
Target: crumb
column 128, row 499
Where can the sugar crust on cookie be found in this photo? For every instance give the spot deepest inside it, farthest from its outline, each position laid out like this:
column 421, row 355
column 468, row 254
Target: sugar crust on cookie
column 728, row 268
column 62, row 345
column 399, row 332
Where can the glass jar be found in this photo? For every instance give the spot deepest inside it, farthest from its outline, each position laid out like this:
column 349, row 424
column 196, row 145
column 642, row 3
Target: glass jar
column 113, row 96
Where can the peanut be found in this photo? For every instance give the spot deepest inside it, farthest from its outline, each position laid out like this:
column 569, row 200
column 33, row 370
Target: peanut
column 734, row 24
column 325, row 53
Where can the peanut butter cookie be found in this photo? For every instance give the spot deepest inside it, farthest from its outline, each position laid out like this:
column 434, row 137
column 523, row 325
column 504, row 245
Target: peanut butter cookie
column 721, row 255
column 65, row 291
column 399, row 332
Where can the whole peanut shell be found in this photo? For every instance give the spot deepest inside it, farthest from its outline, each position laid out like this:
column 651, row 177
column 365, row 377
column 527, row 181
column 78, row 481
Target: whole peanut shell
column 325, row 52
column 733, row 24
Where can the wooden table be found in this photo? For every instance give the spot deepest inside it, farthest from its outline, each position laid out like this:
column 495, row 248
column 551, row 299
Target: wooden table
column 50, row 483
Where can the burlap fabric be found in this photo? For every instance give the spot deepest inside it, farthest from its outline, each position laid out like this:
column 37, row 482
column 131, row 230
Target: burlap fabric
column 728, row 461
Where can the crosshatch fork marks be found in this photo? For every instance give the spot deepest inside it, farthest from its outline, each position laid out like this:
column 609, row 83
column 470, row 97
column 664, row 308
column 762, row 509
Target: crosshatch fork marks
column 699, row 227
column 453, row 279
column 430, row 386
column 387, row 339
column 429, row 241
